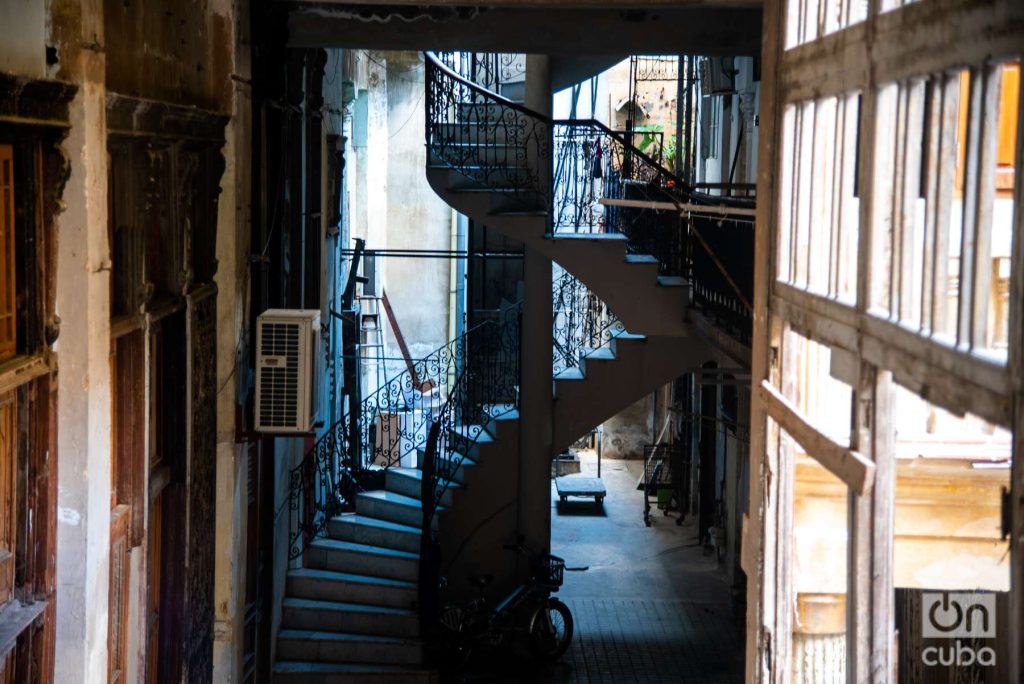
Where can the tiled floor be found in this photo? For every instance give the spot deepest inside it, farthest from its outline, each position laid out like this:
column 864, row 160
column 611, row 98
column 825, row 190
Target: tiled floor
column 649, row 606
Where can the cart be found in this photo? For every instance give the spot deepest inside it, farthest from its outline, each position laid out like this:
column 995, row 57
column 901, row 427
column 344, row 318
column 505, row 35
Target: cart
column 581, row 485
column 666, row 479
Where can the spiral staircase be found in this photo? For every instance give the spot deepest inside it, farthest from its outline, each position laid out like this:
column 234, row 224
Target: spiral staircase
column 391, row 498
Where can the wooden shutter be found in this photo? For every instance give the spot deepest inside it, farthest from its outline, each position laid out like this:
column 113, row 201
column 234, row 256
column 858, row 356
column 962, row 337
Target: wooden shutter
column 8, row 492
column 117, row 614
column 8, row 335
column 1008, row 114
column 129, row 400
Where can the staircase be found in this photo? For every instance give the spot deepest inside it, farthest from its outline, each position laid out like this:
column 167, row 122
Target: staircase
column 361, row 520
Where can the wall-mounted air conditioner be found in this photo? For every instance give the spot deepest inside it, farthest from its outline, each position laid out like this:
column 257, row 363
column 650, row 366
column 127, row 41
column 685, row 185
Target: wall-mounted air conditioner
column 717, row 76
column 287, row 348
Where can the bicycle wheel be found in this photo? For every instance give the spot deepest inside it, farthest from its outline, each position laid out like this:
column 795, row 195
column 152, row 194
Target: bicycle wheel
column 550, row 630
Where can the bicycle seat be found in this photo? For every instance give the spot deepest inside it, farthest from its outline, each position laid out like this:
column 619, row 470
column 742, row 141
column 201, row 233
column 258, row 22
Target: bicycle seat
column 481, row 581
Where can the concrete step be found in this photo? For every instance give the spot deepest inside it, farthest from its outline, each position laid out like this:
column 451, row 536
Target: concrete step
column 589, row 358
column 330, row 585
column 641, row 259
column 363, row 529
column 490, row 153
column 569, row 375
column 672, row 281
column 349, row 618
column 335, row 647
column 476, row 172
column 453, row 461
column 362, row 559
column 468, row 438
column 409, row 482
column 299, row 672
column 591, row 237
column 390, row 506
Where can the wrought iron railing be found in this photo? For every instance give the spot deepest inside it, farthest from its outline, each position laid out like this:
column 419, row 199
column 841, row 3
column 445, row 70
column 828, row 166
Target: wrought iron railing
column 485, row 389
column 722, row 270
column 595, row 167
column 581, row 322
column 477, row 372
column 491, row 70
column 590, row 179
column 488, row 139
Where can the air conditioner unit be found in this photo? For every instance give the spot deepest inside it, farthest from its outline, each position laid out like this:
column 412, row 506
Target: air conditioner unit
column 287, row 348
column 717, row 76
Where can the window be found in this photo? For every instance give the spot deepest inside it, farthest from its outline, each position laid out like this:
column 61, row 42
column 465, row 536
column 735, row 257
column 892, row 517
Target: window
column 8, row 336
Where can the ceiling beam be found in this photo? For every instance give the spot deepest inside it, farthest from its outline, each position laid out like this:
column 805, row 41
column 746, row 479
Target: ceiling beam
column 702, row 30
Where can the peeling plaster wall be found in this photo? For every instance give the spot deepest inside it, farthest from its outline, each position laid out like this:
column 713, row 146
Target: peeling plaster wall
column 180, row 54
column 233, row 236
column 625, row 435
column 416, row 217
column 390, row 203
column 83, row 406
column 23, row 37
column 177, row 51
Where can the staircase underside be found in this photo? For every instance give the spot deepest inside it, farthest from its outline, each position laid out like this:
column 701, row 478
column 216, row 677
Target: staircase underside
column 629, row 284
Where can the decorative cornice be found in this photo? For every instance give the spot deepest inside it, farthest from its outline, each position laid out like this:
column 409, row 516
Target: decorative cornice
column 135, row 116
column 35, row 101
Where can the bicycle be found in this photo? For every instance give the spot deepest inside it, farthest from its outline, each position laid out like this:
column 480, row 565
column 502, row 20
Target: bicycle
column 529, row 608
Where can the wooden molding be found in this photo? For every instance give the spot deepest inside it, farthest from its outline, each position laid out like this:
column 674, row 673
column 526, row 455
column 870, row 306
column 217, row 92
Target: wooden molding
column 35, row 101
column 20, row 370
column 137, row 116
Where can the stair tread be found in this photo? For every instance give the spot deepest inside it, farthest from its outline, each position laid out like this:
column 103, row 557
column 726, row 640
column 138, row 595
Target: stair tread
column 521, row 212
column 334, row 575
column 416, row 474
column 617, row 237
column 338, row 545
column 301, row 666
column 450, row 456
column 357, row 519
column 641, row 259
column 318, row 635
column 623, row 335
column 480, row 436
column 499, row 414
column 569, row 374
column 600, row 353
column 671, row 281
column 385, row 495
column 343, row 607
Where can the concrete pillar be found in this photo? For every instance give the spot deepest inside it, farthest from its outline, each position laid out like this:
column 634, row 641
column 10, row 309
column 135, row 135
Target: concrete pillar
column 83, row 406
column 819, row 639
column 535, row 438
column 233, row 233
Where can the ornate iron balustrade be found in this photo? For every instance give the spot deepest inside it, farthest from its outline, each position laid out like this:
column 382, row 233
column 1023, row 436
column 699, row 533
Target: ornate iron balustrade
column 478, row 373
column 491, row 70
column 731, row 243
column 505, row 147
column 490, row 140
column 594, row 163
column 486, row 388
column 581, row 323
